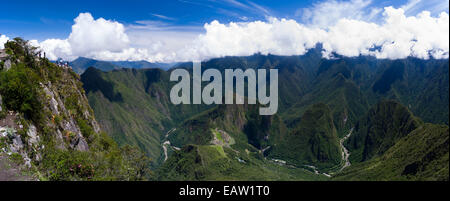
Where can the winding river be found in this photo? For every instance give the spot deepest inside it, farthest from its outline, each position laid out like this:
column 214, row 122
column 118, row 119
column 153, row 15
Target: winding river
column 345, row 152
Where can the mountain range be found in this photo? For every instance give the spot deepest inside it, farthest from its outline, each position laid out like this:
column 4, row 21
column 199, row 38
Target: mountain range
column 80, row 64
column 346, row 118
column 377, row 108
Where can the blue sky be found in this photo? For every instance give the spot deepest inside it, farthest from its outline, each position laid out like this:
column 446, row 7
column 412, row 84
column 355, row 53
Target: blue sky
column 53, row 19
column 179, row 30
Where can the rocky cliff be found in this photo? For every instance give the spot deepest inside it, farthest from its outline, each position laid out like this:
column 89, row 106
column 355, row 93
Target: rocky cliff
column 46, row 122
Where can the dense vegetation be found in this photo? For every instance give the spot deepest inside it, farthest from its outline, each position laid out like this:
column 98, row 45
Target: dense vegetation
column 320, row 102
column 313, row 141
column 27, row 88
column 213, row 162
column 383, row 125
column 420, row 155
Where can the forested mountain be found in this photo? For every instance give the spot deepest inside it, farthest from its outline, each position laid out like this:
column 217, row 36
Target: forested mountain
column 389, row 143
column 379, row 102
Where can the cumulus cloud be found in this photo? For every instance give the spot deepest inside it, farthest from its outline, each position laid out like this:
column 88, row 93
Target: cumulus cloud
column 89, row 35
column 396, row 35
column 107, row 40
column 277, row 36
column 3, row 40
column 94, row 38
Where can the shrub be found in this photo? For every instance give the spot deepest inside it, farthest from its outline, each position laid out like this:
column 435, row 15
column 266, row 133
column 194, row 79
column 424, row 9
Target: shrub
column 18, row 89
column 68, row 165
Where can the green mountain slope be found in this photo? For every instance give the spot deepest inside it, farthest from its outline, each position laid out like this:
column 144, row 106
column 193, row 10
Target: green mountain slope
column 80, row 64
column 133, row 106
column 420, row 155
column 389, row 143
column 421, row 85
column 313, row 142
column 337, row 88
column 214, row 162
column 320, row 101
column 227, row 143
column 384, row 124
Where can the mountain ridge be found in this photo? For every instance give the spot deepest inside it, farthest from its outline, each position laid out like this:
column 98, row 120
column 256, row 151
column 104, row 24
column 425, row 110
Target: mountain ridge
column 348, row 87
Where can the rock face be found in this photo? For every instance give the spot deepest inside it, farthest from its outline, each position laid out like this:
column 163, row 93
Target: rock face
column 67, row 125
column 9, row 133
column 64, row 114
column 7, row 64
column 4, row 58
column 48, row 127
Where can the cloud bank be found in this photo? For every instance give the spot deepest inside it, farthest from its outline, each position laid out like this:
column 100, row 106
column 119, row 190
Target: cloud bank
column 398, row 36
column 395, row 36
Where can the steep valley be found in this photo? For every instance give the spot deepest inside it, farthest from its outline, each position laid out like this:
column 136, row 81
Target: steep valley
column 321, row 101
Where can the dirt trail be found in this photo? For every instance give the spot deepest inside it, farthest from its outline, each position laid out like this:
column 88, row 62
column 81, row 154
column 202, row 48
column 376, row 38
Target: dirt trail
column 11, row 172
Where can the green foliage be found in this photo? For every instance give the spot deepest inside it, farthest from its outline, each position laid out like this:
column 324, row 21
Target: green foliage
column 104, row 161
column 18, row 87
column 138, row 163
column 16, row 158
column 87, row 131
column 134, row 107
column 384, row 124
column 420, row 155
column 212, row 162
column 313, row 142
column 3, row 113
column 114, row 96
column 22, row 90
column 63, row 165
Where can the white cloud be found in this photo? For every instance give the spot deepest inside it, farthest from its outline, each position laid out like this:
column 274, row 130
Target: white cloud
column 57, row 48
column 3, row 40
column 94, row 38
column 395, row 35
column 107, row 40
column 282, row 37
column 89, row 35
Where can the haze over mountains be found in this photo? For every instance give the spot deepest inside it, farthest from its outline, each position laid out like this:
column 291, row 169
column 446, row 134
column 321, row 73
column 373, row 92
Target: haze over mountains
column 80, row 64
